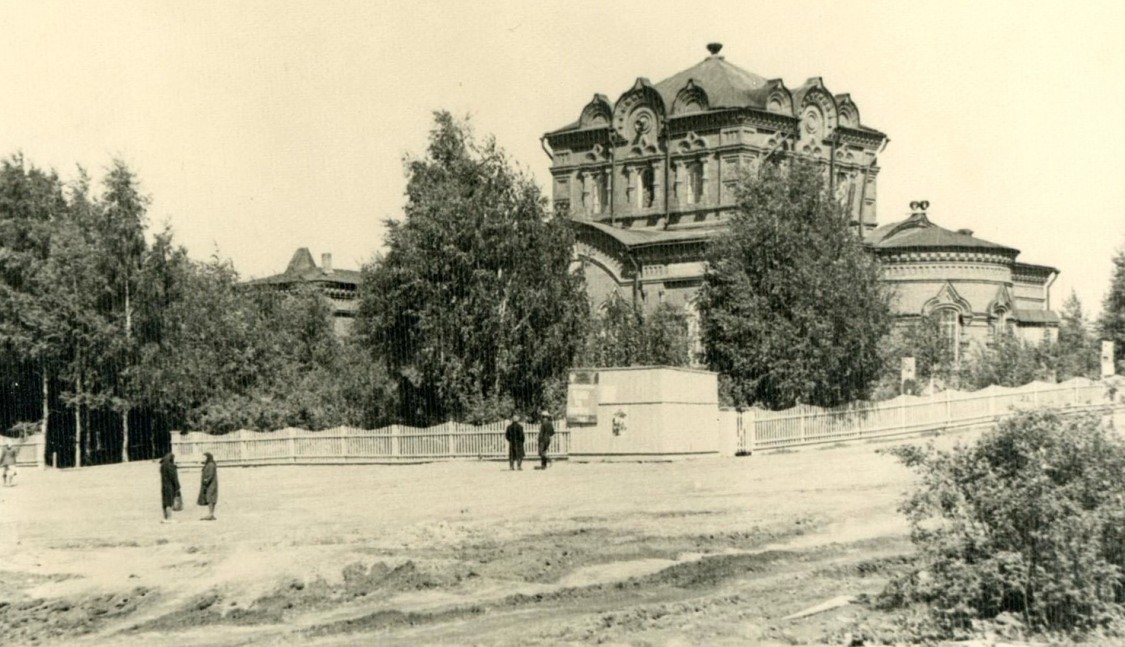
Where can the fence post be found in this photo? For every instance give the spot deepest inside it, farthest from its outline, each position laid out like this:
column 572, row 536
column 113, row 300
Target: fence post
column 292, row 445
column 344, row 443
column 453, row 445
column 394, row 440
column 241, row 446
column 751, row 435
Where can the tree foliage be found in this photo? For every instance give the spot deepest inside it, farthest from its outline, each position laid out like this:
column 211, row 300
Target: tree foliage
column 1076, row 353
column 791, row 306
column 1028, row 520
column 935, row 358
column 620, row 334
column 1007, row 360
column 1112, row 323
column 130, row 339
column 473, row 306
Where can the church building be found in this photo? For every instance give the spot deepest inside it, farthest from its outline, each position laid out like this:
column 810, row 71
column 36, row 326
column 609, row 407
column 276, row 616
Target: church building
column 649, row 178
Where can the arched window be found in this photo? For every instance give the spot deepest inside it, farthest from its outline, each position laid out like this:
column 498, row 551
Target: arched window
column 1003, row 324
column 695, row 182
column 950, row 321
column 648, row 187
column 601, row 197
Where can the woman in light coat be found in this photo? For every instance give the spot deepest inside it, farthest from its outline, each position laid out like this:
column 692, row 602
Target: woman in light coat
column 209, row 486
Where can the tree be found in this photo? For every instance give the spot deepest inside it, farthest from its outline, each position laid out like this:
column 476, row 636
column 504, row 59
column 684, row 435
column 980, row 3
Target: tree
column 473, row 307
column 934, row 356
column 119, row 235
column 1007, row 361
column 1113, row 310
column 1076, row 352
column 615, row 335
column 31, row 205
column 666, row 339
column 620, row 334
column 791, row 307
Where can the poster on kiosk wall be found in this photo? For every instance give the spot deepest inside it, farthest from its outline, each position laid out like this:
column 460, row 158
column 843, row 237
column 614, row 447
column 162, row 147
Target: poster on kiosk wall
column 582, row 398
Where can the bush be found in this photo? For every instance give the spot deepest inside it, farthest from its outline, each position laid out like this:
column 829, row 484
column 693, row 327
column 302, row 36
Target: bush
column 1030, row 520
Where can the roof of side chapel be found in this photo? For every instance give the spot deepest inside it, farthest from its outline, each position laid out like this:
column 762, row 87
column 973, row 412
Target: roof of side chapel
column 918, row 232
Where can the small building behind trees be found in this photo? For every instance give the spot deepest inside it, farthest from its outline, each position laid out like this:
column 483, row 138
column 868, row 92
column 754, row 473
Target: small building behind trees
column 340, row 287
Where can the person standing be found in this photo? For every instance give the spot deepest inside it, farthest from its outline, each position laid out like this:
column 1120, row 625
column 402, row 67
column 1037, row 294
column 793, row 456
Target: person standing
column 546, row 431
column 8, row 463
column 169, row 485
column 514, row 436
column 209, row 486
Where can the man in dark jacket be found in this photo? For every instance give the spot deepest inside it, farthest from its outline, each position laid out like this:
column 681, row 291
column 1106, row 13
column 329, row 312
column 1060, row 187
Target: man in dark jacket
column 514, row 436
column 546, row 430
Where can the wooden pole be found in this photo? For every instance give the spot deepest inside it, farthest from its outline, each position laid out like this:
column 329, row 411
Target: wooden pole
column 41, row 459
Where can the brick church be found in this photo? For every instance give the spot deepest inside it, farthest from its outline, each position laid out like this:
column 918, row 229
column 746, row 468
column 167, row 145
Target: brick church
column 649, row 178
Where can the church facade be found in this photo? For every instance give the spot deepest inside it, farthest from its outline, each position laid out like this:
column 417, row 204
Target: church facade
column 649, row 178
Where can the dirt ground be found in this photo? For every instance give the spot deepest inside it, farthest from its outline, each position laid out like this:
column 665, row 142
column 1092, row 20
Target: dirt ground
column 713, row 551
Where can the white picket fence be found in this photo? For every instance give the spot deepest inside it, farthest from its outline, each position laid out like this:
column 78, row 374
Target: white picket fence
column 760, row 429
column 748, row 431
column 393, row 444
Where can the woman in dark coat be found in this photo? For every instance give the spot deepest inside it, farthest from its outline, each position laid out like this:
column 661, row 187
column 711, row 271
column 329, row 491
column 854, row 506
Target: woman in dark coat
column 169, row 484
column 209, row 486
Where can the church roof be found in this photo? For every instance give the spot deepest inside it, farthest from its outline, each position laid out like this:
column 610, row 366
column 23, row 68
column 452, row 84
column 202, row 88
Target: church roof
column 302, row 269
column 726, row 85
column 917, row 232
column 634, row 238
column 1035, row 316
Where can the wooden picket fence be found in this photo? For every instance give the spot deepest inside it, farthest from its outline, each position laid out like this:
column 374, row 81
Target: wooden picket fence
column 339, row 445
column 760, row 429
column 742, row 432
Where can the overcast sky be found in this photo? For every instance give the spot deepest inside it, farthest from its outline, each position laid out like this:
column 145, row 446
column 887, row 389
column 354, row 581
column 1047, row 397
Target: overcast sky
column 261, row 127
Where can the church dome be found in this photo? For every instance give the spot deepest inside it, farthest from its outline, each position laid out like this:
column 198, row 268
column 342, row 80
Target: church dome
column 725, row 85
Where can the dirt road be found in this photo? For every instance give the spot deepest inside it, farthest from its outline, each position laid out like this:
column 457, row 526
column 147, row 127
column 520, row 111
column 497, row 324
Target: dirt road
column 714, row 551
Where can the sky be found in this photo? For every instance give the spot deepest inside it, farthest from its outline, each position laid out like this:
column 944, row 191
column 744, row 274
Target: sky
column 261, row 127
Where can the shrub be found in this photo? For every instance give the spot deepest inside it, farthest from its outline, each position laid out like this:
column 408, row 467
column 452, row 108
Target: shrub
column 1029, row 520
